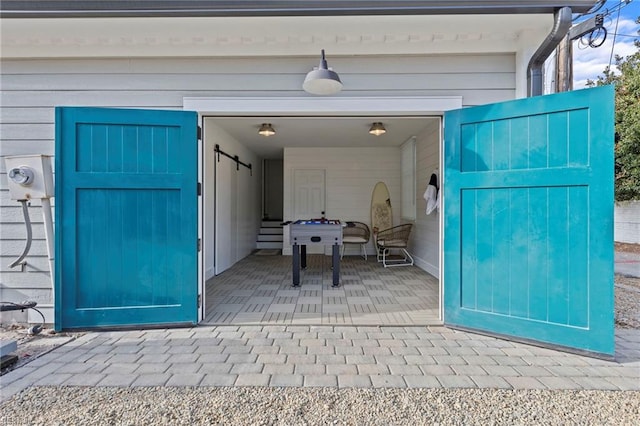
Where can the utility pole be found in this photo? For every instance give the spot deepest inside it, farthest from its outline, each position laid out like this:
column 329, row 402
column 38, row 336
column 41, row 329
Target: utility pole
column 564, row 51
column 564, row 65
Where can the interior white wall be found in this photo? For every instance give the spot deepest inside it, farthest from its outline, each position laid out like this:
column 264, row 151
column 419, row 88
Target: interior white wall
column 243, row 219
column 351, row 174
column 425, row 236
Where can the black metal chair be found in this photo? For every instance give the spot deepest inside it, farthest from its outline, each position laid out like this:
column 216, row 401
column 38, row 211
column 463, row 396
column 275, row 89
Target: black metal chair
column 356, row 233
column 397, row 239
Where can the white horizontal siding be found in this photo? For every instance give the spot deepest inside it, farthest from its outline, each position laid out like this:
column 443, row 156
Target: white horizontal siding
column 5, row 196
column 270, row 65
column 13, row 234
column 34, row 131
column 12, row 213
column 21, row 147
column 17, row 231
column 251, row 82
column 34, row 264
column 27, row 279
column 30, row 115
column 34, row 284
column 26, row 291
column 15, row 247
column 163, row 83
column 159, row 98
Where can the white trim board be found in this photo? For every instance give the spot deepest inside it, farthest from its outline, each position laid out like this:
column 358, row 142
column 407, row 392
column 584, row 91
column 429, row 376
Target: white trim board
column 329, row 106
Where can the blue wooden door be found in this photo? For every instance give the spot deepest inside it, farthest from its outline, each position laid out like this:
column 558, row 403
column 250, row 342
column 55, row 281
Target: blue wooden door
column 528, row 226
column 126, row 217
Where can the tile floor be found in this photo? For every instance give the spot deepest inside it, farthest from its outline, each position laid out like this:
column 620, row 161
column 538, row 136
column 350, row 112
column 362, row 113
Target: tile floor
column 257, row 290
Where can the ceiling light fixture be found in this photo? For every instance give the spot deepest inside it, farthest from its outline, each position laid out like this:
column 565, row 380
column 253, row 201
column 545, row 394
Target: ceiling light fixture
column 322, row 80
column 377, row 129
column 266, row 130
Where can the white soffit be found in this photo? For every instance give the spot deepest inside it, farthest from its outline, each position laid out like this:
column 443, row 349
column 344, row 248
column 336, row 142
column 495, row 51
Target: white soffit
column 268, row 36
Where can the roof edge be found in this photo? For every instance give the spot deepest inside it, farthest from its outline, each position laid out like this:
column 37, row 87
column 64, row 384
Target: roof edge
column 246, row 8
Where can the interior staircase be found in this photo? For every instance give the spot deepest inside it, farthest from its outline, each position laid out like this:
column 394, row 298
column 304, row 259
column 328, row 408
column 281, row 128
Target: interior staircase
column 270, row 236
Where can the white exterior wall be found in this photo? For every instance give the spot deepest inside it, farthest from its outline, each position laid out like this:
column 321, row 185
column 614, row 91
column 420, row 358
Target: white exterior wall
column 35, row 282
column 627, row 222
column 31, row 88
column 350, row 175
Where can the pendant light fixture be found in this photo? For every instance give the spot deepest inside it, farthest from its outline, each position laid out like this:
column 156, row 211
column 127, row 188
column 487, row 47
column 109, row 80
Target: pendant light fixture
column 322, row 80
column 266, row 130
column 377, row 129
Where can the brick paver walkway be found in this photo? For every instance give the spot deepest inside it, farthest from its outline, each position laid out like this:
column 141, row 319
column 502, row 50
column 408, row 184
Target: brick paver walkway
column 334, row 356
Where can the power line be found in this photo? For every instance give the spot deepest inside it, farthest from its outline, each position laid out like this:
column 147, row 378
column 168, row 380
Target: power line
column 625, row 35
column 613, row 45
column 598, row 36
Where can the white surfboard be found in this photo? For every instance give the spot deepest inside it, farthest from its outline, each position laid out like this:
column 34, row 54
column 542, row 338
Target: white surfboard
column 381, row 212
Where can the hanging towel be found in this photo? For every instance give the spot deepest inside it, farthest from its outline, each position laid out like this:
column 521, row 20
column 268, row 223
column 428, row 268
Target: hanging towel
column 432, row 195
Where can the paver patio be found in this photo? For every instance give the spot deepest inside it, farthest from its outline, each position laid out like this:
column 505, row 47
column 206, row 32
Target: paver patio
column 333, row 356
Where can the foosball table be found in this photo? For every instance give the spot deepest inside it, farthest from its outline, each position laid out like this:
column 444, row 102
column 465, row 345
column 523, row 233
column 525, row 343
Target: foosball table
column 315, row 231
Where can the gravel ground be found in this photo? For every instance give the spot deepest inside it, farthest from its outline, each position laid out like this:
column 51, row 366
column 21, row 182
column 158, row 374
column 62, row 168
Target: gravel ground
column 318, row 406
column 32, row 347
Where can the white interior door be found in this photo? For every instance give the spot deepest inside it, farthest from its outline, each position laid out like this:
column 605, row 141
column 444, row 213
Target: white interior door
column 309, row 198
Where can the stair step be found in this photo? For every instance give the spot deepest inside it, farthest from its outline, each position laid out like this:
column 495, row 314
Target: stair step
column 271, row 231
column 271, row 224
column 269, row 245
column 270, row 238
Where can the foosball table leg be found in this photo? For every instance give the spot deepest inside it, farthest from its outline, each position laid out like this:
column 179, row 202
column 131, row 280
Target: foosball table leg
column 296, row 265
column 303, row 258
column 335, row 252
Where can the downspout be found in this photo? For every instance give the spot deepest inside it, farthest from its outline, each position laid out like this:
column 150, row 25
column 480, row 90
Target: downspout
column 561, row 26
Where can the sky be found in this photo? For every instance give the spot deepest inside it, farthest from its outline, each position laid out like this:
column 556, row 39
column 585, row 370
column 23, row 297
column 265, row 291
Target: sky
column 588, row 63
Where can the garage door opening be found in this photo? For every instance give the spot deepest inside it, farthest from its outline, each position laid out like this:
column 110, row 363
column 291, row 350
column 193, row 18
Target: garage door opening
column 244, row 285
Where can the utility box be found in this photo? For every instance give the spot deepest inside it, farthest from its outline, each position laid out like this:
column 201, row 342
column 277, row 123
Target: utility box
column 29, row 176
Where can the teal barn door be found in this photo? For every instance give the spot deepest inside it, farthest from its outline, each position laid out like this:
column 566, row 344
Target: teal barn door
column 528, row 225
column 126, row 218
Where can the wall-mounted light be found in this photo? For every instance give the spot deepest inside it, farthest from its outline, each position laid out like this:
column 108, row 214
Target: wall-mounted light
column 266, row 130
column 377, row 129
column 322, row 80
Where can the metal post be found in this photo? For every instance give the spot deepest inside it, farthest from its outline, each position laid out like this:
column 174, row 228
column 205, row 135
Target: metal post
column 336, row 265
column 303, row 262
